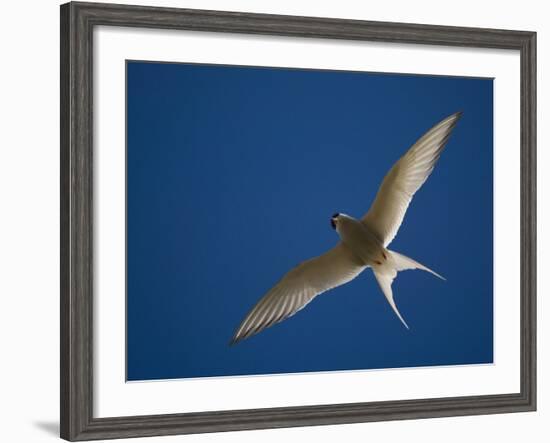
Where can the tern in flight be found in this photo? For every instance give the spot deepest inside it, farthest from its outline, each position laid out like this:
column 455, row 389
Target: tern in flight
column 363, row 243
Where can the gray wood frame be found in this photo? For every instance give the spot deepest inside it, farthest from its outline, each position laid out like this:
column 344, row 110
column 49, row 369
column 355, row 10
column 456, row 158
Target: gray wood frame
column 77, row 24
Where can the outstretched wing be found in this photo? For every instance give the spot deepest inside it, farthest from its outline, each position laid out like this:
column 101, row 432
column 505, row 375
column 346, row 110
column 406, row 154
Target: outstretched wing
column 405, row 178
column 298, row 287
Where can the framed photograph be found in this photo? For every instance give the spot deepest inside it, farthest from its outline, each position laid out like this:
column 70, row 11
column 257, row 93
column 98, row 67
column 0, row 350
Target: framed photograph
column 272, row 221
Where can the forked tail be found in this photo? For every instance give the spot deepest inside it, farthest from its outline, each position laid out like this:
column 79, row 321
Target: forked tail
column 386, row 273
column 403, row 263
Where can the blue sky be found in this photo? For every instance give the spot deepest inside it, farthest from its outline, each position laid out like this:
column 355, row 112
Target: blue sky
column 232, row 176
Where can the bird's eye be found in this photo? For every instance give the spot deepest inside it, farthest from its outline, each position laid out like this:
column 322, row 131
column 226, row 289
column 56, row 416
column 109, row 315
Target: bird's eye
column 336, row 215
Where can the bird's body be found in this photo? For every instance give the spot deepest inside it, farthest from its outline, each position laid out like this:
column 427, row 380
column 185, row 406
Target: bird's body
column 363, row 242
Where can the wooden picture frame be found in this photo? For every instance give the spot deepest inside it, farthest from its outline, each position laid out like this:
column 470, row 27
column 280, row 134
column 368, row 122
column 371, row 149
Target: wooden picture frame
column 77, row 23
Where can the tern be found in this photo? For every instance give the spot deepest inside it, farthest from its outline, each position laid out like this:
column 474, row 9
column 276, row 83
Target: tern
column 363, row 243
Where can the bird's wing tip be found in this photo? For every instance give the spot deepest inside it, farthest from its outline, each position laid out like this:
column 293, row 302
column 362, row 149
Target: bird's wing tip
column 453, row 118
column 237, row 338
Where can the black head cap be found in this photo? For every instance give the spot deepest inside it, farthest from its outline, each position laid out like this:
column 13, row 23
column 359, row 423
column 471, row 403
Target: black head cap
column 332, row 222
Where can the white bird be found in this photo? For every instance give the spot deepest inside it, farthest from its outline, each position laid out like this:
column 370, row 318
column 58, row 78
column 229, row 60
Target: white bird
column 363, row 243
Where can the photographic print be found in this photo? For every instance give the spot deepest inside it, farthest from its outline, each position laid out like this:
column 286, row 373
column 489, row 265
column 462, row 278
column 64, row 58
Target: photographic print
column 296, row 220
column 274, row 221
